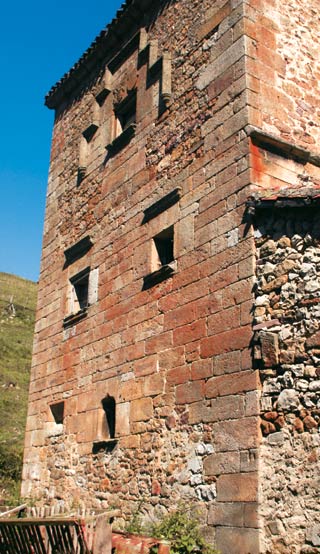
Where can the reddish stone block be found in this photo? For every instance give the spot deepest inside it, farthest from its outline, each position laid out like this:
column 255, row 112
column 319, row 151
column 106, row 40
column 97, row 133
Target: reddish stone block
column 158, row 343
column 232, row 384
column 227, row 363
column 224, row 320
column 189, row 392
column 228, row 407
column 222, row 463
column 189, row 333
column 234, row 540
column 227, row 514
column 153, row 384
column 201, row 369
column 269, row 348
column 200, row 412
column 141, row 410
column 236, row 339
column 174, row 357
column 130, row 390
column 180, row 316
column 241, row 487
column 214, row 20
column 178, row 375
column 238, row 434
column 146, row 366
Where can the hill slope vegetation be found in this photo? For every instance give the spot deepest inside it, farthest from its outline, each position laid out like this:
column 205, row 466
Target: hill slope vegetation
column 17, row 314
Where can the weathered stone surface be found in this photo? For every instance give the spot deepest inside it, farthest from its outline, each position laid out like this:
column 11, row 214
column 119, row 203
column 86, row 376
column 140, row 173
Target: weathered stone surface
column 289, row 418
column 237, row 488
column 238, row 541
column 227, row 107
column 222, row 462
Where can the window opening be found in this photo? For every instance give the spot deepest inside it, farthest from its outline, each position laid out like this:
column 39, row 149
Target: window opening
column 126, row 114
column 164, row 246
column 57, row 411
column 109, row 406
column 80, row 285
column 163, row 264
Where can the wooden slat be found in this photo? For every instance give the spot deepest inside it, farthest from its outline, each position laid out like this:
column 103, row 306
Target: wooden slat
column 40, row 538
column 66, row 539
column 6, row 541
column 13, row 540
column 23, row 539
column 69, row 535
column 50, row 537
column 33, row 539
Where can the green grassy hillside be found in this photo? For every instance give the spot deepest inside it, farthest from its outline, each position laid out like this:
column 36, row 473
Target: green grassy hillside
column 17, row 312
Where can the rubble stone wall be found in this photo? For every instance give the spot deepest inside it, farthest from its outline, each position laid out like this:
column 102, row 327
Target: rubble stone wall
column 287, row 349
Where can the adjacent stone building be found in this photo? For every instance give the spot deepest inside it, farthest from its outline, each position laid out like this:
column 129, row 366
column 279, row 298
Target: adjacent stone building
column 177, row 344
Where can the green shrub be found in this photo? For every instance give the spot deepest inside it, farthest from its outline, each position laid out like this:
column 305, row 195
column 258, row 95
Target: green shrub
column 182, row 527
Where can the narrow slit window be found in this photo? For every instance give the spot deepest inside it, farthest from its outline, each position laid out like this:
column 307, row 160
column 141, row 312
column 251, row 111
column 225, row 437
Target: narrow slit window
column 164, row 246
column 57, row 411
column 109, row 407
column 125, row 114
column 80, row 285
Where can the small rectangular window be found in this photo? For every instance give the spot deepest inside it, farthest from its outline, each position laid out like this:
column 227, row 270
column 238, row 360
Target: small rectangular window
column 163, row 264
column 125, row 113
column 57, row 411
column 82, row 293
column 164, row 246
column 124, row 123
column 109, row 407
column 80, row 284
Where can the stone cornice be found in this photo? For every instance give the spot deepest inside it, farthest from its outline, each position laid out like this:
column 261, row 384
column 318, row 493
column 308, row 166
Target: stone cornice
column 281, row 146
column 106, row 46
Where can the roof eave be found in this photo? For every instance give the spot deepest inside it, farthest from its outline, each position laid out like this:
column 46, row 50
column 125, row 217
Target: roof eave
column 116, row 32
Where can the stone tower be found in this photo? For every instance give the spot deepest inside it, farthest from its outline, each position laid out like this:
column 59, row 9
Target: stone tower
column 177, row 343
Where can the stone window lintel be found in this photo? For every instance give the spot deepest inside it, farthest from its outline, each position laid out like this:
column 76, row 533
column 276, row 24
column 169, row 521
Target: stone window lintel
column 90, row 131
column 162, row 205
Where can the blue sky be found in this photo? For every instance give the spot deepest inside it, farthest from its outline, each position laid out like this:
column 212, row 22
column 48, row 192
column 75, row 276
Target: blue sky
column 39, row 42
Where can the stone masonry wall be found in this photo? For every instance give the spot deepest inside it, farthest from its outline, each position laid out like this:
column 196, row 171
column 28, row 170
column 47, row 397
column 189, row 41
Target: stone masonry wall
column 286, row 316
column 175, row 357
column 283, row 68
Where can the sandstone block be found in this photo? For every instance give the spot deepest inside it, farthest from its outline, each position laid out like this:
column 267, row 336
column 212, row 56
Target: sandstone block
column 269, row 348
column 236, row 339
column 189, row 392
column 240, row 487
column 123, row 419
column 231, row 384
column 232, row 540
column 236, row 434
column 221, row 463
column 141, row 410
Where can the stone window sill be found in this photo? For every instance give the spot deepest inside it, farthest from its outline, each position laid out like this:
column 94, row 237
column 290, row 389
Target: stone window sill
column 74, row 318
column 160, row 275
column 122, row 140
column 107, row 445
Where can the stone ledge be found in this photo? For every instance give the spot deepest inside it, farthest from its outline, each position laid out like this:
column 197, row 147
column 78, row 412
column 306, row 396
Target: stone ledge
column 74, row 318
column 281, row 146
column 158, row 276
